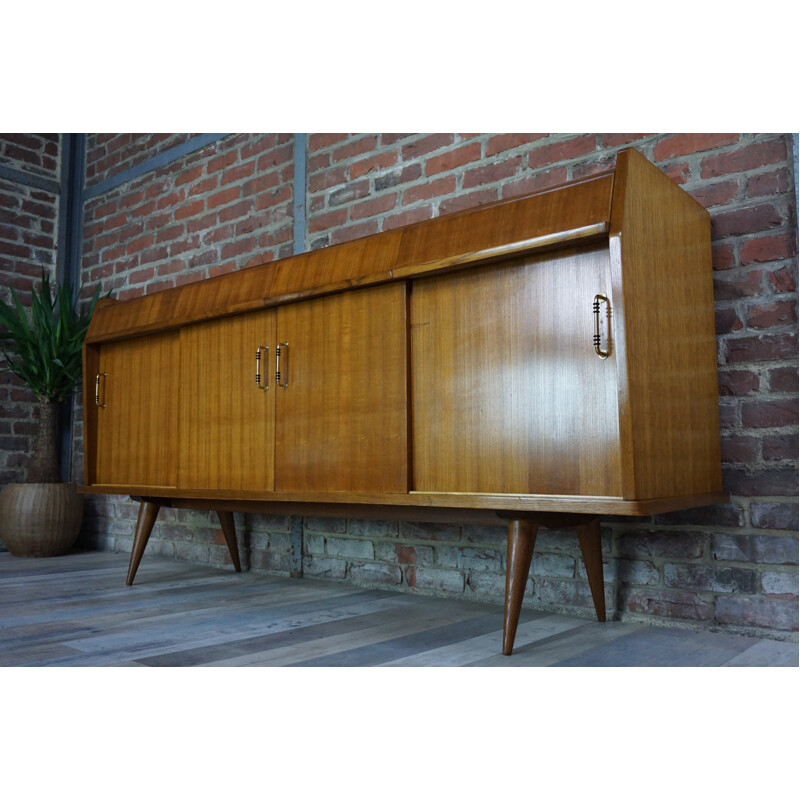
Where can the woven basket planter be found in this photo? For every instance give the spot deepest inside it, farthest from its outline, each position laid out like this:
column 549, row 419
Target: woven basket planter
column 40, row 519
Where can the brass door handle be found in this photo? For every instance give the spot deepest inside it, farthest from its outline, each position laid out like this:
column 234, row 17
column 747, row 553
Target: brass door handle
column 258, row 368
column 282, row 350
column 600, row 298
column 97, row 390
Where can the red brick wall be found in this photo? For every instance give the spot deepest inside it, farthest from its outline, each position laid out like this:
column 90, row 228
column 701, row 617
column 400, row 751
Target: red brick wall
column 230, row 205
column 28, row 221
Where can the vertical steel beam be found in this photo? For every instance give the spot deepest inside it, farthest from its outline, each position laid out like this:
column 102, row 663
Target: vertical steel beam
column 68, row 261
column 299, row 209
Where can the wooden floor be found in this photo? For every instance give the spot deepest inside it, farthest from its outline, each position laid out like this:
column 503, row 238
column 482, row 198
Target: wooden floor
column 76, row 611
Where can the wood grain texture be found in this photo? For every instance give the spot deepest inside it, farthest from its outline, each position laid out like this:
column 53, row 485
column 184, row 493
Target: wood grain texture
column 227, row 424
column 583, row 203
column 341, row 425
column 146, row 519
column 307, row 501
column 508, row 393
column 521, row 541
column 660, row 247
column 137, row 431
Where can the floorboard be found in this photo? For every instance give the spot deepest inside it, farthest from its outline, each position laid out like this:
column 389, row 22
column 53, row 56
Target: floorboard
column 76, row 611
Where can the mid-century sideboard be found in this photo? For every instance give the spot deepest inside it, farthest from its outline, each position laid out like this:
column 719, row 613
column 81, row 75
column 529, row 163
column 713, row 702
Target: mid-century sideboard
column 545, row 360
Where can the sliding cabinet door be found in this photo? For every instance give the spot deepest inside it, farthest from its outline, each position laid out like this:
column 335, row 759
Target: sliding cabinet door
column 341, row 420
column 509, row 394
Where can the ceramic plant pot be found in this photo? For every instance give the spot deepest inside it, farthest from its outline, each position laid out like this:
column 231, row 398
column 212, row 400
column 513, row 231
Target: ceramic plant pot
column 40, row 519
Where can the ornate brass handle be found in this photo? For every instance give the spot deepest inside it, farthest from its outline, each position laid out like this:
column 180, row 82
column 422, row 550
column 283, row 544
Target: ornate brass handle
column 97, row 390
column 599, row 298
column 258, row 368
column 282, row 350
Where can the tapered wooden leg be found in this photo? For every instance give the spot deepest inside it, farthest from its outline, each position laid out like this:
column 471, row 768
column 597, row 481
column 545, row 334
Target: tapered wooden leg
column 589, row 540
column 229, row 531
column 144, row 525
column 521, row 538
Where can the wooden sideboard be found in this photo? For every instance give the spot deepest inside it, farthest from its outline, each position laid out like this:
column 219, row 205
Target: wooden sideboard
column 545, row 360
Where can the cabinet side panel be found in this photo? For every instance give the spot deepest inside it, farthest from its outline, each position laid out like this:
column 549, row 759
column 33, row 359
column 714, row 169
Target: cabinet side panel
column 341, row 423
column 227, row 424
column 137, row 442
column 661, row 260
column 509, row 395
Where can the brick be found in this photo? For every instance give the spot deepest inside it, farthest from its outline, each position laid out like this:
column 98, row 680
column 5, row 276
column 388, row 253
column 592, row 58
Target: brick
column 326, row 179
column 349, row 193
column 371, row 208
column 354, row 148
column 317, row 141
column 222, row 161
column 769, row 413
column 561, row 151
column 375, row 574
column 375, row 529
column 777, row 516
column 140, row 244
column 391, row 138
column 237, row 248
column 754, row 612
column 761, row 348
column 781, row 447
column 408, row 217
column 190, row 209
column 429, row 190
column 783, row 280
column 754, row 219
column 322, row 222
column 773, row 481
column 469, row 200
column 738, row 383
column 779, row 585
column 490, row 585
column 661, row 544
column 472, row 558
column 453, row 159
column 425, row 145
column 429, row 532
column 407, row 174
column 684, row 144
column 355, row 231
column 204, row 186
column 618, row 570
column 668, row 603
column 768, row 183
column 350, row 548
column 236, row 211
column 552, row 565
column 716, row 194
column 327, row 568
column 736, row 286
column 770, row 315
column 744, row 158
column 260, row 184
column 374, row 162
column 189, row 175
column 225, row 196
column 404, row 554
column 726, row 320
column 508, row 141
column 435, row 580
column 702, row 577
column 767, row 248
column 783, row 379
column 491, row 173
column 740, row 449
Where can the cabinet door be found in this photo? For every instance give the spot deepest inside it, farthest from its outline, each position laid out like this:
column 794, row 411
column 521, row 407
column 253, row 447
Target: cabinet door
column 227, row 423
column 137, row 429
column 509, row 395
column 341, row 421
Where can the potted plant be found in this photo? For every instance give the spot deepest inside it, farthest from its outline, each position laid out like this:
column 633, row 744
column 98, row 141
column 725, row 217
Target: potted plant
column 42, row 517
